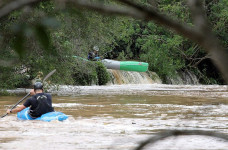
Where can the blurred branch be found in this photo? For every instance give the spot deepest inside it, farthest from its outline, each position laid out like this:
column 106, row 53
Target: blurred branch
column 7, row 63
column 107, row 9
column 198, row 15
column 169, row 133
column 15, row 5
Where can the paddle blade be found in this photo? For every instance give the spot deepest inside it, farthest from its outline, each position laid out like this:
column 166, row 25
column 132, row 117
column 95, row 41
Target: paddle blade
column 47, row 76
column 4, row 115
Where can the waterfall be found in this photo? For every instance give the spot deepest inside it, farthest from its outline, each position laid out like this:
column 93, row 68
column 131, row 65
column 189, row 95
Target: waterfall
column 130, row 77
column 183, row 77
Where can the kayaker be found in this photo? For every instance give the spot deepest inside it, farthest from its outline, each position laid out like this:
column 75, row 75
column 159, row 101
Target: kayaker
column 93, row 55
column 40, row 102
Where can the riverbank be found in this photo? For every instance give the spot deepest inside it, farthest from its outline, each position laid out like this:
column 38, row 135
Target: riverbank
column 136, row 89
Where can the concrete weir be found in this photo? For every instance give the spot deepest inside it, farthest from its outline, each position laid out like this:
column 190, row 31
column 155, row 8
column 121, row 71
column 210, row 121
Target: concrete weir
column 136, row 89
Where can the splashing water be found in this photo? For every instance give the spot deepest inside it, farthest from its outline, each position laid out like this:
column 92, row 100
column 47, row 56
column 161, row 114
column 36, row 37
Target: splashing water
column 120, row 116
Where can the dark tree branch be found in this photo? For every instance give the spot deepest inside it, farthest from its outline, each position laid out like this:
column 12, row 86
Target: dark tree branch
column 15, row 5
column 107, row 9
column 198, row 15
column 196, row 48
column 200, row 60
column 169, row 133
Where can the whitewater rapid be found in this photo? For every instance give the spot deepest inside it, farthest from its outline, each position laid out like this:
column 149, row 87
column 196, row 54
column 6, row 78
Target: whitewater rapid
column 137, row 89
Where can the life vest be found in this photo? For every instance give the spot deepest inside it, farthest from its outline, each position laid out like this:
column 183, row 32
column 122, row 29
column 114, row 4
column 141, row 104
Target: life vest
column 42, row 107
column 93, row 56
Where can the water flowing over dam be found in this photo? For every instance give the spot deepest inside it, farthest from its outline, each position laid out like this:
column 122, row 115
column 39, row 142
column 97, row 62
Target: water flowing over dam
column 185, row 77
column 131, row 77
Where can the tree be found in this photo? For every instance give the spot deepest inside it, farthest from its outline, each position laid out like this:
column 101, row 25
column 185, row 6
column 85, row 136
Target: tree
column 200, row 32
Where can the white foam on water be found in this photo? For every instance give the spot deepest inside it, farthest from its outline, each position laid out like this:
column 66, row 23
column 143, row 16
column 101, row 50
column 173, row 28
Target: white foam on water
column 122, row 124
column 151, row 89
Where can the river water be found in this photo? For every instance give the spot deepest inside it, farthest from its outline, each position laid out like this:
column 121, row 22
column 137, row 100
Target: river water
column 120, row 117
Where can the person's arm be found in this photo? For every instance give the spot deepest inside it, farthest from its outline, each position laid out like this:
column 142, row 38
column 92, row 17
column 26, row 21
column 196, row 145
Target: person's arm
column 17, row 109
column 21, row 107
column 90, row 56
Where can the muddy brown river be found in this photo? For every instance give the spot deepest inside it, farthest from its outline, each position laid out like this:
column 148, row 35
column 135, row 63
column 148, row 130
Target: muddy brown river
column 112, row 121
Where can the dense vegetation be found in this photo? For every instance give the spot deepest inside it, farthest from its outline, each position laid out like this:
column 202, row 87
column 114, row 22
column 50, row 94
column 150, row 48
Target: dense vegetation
column 47, row 36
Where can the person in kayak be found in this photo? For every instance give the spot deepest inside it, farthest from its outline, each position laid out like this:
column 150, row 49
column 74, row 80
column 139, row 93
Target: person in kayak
column 94, row 56
column 40, row 102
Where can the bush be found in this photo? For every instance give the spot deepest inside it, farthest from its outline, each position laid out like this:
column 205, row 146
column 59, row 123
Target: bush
column 84, row 73
column 21, row 81
column 88, row 73
column 12, row 80
column 82, row 78
column 102, row 74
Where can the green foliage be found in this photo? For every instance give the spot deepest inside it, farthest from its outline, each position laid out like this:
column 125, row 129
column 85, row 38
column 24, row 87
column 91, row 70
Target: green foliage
column 219, row 17
column 46, row 38
column 9, row 80
column 102, row 75
column 84, row 73
column 153, row 44
column 44, row 44
column 163, row 54
column 42, row 36
column 19, row 43
column 121, row 56
column 90, row 72
column 4, row 93
column 165, row 51
column 176, row 9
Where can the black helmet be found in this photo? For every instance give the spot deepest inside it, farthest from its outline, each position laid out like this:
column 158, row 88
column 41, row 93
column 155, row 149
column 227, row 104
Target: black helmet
column 38, row 85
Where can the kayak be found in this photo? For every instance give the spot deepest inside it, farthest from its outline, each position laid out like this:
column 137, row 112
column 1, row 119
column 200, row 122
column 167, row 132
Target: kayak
column 125, row 65
column 121, row 65
column 23, row 115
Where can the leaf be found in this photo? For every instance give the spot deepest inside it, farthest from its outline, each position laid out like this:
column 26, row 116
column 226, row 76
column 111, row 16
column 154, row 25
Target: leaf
column 43, row 36
column 19, row 44
column 50, row 22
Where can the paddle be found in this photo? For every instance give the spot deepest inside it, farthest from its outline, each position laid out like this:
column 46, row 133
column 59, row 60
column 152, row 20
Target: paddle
column 45, row 78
